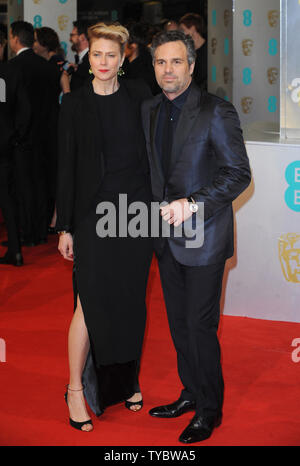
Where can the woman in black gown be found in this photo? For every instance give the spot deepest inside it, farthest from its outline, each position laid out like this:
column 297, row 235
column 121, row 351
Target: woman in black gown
column 102, row 159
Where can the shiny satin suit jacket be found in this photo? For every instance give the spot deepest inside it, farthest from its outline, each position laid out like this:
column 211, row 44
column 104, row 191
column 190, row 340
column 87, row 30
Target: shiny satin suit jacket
column 208, row 162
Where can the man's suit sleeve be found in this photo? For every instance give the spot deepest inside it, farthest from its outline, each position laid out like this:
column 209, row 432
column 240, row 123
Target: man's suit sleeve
column 80, row 76
column 66, row 165
column 233, row 171
column 23, row 113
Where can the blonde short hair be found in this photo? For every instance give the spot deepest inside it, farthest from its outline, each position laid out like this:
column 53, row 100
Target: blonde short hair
column 114, row 31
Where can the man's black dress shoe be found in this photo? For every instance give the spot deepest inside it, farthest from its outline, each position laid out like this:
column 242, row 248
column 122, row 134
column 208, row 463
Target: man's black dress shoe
column 12, row 259
column 175, row 409
column 200, row 428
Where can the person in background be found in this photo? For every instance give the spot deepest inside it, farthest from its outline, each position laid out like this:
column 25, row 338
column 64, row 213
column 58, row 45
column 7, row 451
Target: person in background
column 40, row 80
column 47, row 45
column 138, row 62
column 14, row 123
column 171, row 25
column 80, row 45
column 194, row 25
column 3, row 45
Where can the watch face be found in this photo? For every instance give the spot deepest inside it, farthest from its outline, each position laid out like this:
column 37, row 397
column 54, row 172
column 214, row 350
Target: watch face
column 193, row 207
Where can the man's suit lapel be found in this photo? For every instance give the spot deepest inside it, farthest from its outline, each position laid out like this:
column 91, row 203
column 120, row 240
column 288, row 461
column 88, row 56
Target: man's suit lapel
column 185, row 123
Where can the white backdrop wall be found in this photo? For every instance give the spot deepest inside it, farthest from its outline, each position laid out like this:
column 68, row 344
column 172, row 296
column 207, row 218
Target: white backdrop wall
column 263, row 278
column 249, row 46
column 220, row 56
column 256, row 51
column 56, row 14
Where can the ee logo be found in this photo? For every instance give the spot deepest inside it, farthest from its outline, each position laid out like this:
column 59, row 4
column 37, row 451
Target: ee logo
column 226, row 46
column 62, row 1
column 273, row 47
column 37, row 21
column 214, row 17
column 272, row 104
column 292, row 194
column 214, row 74
column 247, row 76
column 247, row 14
column 64, row 46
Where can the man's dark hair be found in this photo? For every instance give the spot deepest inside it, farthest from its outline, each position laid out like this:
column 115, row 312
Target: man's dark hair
column 164, row 37
column 82, row 26
column 139, row 34
column 24, row 31
column 48, row 38
column 193, row 19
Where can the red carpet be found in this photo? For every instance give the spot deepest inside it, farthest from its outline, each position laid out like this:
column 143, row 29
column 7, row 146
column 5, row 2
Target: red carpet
column 262, row 395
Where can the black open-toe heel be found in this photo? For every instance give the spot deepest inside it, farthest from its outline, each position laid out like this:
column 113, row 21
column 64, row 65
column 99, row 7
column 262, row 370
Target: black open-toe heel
column 75, row 424
column 129, row 404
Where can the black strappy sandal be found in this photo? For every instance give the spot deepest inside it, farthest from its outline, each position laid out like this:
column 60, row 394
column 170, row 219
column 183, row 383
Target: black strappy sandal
column 129, row 404
column 75, row 424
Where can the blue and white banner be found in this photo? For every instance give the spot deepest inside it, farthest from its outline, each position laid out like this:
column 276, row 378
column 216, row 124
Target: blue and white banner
column 56, row 14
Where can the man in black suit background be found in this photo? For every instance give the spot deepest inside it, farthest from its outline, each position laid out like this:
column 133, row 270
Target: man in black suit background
column 197, row 158
column 138, row 61
column 80, row 45
column 14, row 124
column 39, row 78
column 194, row 25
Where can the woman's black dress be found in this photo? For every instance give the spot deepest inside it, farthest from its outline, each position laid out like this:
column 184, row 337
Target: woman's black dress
column 111, row 272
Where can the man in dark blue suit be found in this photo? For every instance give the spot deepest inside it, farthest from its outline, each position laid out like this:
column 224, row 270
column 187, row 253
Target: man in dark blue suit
column 197, row 159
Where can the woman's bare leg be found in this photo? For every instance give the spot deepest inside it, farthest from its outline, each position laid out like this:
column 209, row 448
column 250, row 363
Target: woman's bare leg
column 78, row 345
column 78, row 350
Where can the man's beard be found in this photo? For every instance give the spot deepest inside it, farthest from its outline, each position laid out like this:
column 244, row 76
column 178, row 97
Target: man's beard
column 170, row 87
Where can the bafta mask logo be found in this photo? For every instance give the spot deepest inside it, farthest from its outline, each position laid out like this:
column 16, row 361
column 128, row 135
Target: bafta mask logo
column 226, row 74
column 247, row 45
column 226, row 17
column 272, row 75
column 214, row 44
column 246, row 103
column 289, row 256
column 62, row 21
column 294, row 88
column 37, row 2
column 273, row 17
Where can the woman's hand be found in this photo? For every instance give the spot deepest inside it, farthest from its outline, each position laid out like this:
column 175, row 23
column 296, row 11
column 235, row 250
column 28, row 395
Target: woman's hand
column 65, row 246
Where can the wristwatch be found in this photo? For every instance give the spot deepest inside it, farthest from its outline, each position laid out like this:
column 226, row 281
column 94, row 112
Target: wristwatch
column 192, row 204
